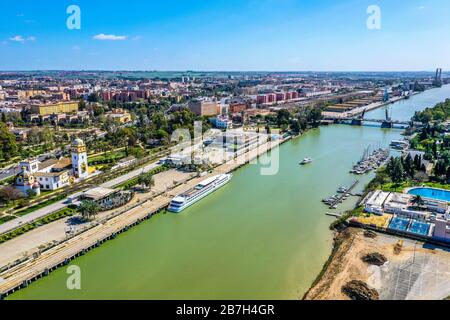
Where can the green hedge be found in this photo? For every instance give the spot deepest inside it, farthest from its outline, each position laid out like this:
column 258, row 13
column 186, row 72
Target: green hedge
column 6, row 219
column 41, row 205
column 63, row 213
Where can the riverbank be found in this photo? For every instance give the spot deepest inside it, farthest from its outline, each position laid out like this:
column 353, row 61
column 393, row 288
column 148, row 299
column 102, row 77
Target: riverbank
column 21, row 275
column 344, row 264
column 413, row 270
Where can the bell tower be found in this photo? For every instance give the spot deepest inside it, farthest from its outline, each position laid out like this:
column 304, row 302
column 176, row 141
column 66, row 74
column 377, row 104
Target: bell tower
column 79, row 159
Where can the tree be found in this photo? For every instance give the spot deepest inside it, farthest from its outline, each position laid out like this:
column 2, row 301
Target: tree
column 89, row 209
column 93, row 97
column 295, row 126
column 418, row 201
column 303, row 122
column 98, row 110
column 417, row 162
column 163, row 136
column 315, row 115
column 147, row 180
column 138, row 152
column 409, row 166
column 48, row 137
column 10, row 193
column 440, row 168
column 395, row 170
column 435, row 149
column 283, row 117
column 31, row 194
column 81, row 105
column 8, row 145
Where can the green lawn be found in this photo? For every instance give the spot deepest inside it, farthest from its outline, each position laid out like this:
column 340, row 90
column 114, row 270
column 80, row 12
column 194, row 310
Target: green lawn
column 110, row 156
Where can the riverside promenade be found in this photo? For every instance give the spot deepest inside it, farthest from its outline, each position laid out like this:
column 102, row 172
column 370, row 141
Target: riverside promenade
column 21, row 275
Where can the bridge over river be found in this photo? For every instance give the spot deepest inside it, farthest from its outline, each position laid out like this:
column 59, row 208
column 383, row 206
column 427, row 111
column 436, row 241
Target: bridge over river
column 388, row 122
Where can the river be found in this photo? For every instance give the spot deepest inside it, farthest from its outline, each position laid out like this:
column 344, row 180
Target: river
column 259, row 237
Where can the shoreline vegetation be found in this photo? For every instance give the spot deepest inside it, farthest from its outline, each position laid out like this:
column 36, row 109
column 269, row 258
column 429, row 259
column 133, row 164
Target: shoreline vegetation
column 399, row 174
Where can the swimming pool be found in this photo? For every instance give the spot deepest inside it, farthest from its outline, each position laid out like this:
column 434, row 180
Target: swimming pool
column 437, row 194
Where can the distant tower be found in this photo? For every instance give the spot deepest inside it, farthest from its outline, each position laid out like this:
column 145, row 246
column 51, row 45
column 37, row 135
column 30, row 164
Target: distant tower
column 386, row 96
column 79, row 159
column 438, row 78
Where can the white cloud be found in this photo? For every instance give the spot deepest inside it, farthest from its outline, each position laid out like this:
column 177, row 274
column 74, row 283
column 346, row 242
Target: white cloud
column 110, row 37
column 17, row 39
column 21, row 39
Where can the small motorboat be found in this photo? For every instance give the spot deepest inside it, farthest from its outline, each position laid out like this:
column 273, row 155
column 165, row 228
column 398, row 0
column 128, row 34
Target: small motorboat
column 342, row 190
column 306, row 161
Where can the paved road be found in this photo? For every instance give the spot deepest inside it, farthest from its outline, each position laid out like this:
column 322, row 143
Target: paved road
column 129, row 175
column 8, row 173
column 13, row 224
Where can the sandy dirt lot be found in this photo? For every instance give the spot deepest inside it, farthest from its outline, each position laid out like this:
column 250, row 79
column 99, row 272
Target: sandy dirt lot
column 419, row 272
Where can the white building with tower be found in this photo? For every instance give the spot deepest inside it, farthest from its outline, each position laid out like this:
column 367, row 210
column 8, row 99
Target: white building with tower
column 54, row 174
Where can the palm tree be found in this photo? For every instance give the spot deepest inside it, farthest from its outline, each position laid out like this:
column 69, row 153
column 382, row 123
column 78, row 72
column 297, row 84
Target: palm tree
column 418, row 201
column 147, row 180
column 89, row 209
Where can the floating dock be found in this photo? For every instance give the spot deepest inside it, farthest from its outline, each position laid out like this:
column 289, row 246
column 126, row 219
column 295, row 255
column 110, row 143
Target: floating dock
column 340, row 198
column 336, row 215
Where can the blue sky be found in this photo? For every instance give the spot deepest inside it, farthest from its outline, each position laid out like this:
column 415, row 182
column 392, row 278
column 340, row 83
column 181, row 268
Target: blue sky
column 228, row 35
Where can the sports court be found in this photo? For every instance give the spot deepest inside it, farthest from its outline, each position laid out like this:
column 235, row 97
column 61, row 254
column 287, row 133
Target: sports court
column 400, row 224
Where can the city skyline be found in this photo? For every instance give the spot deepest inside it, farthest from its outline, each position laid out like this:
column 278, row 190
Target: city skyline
column 225, row 36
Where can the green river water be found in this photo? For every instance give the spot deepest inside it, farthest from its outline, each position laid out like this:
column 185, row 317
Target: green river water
column 259, row 237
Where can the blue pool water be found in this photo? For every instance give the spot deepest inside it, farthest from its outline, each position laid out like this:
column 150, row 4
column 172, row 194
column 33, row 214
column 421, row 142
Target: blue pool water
column 399, row 224
column 437, row 194
column 420, row 228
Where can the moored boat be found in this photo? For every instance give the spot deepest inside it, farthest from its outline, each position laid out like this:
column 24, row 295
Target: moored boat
column 204, row 188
